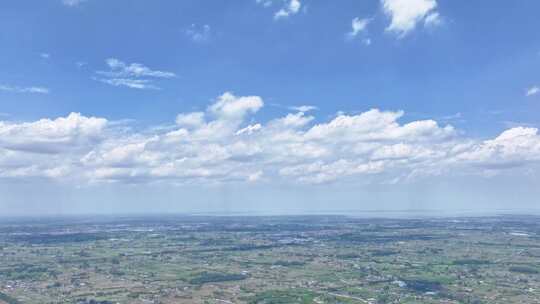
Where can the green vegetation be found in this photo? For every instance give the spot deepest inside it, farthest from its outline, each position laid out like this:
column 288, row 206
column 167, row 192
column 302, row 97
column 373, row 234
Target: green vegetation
column 423, row 285
column 214, row 277
column 384, row 252
column 470, row 262
column 289, row 263
column 28, row 272
column 243, row 260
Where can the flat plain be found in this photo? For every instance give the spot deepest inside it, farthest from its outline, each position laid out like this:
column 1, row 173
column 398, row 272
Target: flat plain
column 270, row 259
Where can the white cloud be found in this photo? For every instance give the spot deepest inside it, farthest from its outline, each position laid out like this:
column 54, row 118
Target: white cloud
column 194, row 119
column 226, row 144
column 143, row 84
column 406, row 14
column 229, row 106
column 16, row 89
column 134, row 75
column 303, row 108
column 514, row 147
column 45, row 55
column 198, row 33
column 249, row 129
column 358, row 26
column 51, row 136
column 292, row 120
column 375, row 125
column 532, row 91
column 120, row 69
column 292, row 7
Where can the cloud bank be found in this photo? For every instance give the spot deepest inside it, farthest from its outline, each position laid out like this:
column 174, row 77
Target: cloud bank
column 226, row 144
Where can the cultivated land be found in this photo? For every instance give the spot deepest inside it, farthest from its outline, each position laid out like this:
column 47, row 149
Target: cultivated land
column 286, row 259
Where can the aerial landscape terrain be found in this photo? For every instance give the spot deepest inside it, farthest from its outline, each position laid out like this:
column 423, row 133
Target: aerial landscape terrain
column 270, row 259
column 269, row 152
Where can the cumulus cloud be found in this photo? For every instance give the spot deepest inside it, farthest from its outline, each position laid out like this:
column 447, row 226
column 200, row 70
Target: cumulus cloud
column 194, row 119
column 51, row 136
column 406, row 14
column 228, row 106
column 292, row 120
column 226, row 144
column 292, row 7
column 514, row 147
column 16, row 89
column 134, row 75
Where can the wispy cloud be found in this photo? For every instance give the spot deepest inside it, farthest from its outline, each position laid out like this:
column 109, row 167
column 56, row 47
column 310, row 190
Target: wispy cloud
column 433, row 19
column 143, row 84
column 198, row 33
column 16, row 89
column 292, row 7
column 72, row 2
column 303, row 108
column 288, row 7
column 457, row 115
column 453, row 118
column 134, row 75
column 265, row 3
column 358, row 26
column 120, row 69
column 532, row 91
column 45, row 55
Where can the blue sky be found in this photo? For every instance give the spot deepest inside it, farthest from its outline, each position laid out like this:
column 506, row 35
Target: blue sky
column 226, row 80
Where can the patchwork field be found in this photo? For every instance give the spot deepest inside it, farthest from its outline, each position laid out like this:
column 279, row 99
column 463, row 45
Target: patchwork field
column 287, row 259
